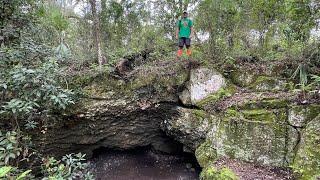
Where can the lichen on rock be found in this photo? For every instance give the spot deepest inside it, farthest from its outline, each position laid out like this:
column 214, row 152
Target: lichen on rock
column 205, row 85
column 243, row 78
column 307, row 161
column 259, row 136
column 205, row 82
column 299, row 116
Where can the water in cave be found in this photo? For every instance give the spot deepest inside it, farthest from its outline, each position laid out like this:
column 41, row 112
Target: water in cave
column 143, row 164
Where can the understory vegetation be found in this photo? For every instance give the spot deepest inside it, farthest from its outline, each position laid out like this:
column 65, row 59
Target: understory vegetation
column 45, row 43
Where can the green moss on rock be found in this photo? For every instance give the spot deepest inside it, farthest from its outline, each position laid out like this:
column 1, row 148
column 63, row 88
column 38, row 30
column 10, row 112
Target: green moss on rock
column 211, row 173
column 259, row 115
column 259, row 135
column 265, row 83
column 299, row 116
column 267, row 103
column 232, row 113
column 199, row 114
column 242, row 78
column 214, row 97
column 206, row 154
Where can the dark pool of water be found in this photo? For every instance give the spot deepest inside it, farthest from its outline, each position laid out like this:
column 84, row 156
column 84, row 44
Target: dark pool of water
column 143, row 165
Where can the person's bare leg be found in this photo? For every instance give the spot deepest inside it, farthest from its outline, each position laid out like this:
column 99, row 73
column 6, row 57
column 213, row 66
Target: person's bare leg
column 188, row 46
column 189, row 51
column 189, row 54
column 180, row 51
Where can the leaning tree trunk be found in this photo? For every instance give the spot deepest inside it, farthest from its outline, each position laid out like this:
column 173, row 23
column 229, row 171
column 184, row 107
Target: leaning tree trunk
column 96, row 32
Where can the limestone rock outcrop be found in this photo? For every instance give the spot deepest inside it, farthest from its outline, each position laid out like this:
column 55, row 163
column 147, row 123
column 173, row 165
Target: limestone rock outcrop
column 117, row 113
column 154, row 102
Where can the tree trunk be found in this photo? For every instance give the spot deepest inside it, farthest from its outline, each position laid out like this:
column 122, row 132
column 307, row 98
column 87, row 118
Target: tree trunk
column 104, row 23
column 96, row 32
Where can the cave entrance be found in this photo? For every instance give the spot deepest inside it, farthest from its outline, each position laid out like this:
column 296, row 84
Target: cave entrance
column 144, row 163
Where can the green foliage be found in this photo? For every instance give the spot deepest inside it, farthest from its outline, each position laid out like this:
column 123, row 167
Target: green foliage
column 13, row 150
column 303, row 74
column 56, row 19
column 316, row 80
column 62, row 52
column 271, row 30
column 24, row 174
column 52, row 16
column 45, row 91
column 13, row 19
column 10, row 173
column 9, row 147
column 4, row 171
column 69, row 167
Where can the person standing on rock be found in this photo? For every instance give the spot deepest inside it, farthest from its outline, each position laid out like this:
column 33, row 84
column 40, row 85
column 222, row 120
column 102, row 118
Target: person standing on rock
column 184, row 33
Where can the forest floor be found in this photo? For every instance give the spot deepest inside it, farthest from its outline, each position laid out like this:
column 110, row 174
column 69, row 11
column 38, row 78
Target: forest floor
column 250, row 171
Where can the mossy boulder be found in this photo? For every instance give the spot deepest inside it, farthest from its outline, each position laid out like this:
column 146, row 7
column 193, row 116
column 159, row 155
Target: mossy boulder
column 299, row 116
column 211, row 173
column 206, row 154
column 261, row 136
column 307, row 161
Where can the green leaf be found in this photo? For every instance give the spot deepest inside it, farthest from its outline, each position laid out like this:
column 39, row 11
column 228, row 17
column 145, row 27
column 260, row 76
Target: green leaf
column 4, row 86
column 11, row 155
column 30, row 71
column 9, row 146
column 6, row 160
column 23, row 175
column 4, row 171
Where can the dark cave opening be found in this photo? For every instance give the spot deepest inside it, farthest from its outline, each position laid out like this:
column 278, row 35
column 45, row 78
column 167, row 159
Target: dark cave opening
column 144, row 163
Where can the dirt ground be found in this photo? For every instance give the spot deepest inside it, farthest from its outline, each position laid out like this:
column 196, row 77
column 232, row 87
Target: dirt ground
column 250, row 171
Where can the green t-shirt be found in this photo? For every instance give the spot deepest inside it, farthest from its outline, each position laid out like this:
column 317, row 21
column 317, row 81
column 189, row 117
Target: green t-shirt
column 184, row 25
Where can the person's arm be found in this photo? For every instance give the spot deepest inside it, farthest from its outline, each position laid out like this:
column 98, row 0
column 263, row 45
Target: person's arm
column 191, row 29
column 177, row 33
column 192, row 32
column 177, row 29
